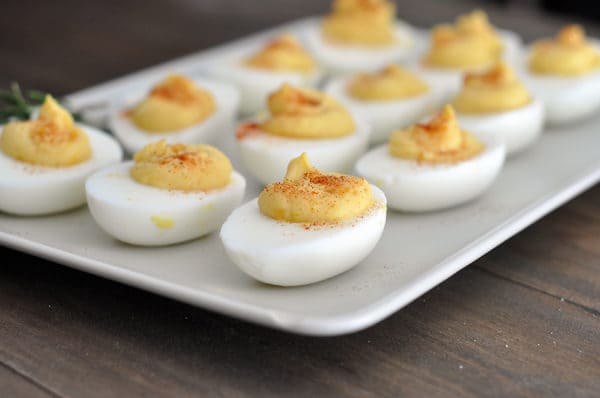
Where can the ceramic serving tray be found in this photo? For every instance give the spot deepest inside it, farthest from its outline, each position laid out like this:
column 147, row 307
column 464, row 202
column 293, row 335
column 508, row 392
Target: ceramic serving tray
column 417, row 251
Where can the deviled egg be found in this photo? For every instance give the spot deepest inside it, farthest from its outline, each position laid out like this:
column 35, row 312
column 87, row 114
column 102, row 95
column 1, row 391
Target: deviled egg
column 432, row 166
column 177, row 109
column 471, row 44
column 360, row 35
column 306, row 228
column 564, row 73
column 301, row 120
column 496, row 104
column 390, row 98
column 257, row 72
column 169, row 193
column 44, row 162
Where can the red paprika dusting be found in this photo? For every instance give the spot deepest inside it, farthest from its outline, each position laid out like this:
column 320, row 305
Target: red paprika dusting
column 247, row 129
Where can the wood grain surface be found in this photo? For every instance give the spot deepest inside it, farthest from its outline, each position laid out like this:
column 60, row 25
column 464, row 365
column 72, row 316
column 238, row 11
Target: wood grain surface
column 522, row 321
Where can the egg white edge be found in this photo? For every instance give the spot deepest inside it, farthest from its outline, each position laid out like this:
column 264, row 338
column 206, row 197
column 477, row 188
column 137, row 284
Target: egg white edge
column 561, row 93
column 273, row 251
column 484, row 126
column 142, row 202
column 165, row 195
column 276, row 146
column 493, row 147
column 29, row 178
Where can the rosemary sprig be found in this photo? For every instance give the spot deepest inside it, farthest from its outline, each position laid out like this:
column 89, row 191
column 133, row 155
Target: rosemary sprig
column 16, row 106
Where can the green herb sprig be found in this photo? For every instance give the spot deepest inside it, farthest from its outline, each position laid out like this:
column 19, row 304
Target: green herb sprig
column 17, row 106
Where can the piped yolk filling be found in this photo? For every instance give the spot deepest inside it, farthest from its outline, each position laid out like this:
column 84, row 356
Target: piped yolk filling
column 174, row 104
column 304, row 114
column 183, row 167
column 361, row 22
column 284, row 53
column 495, row 90
column 308, row 196
column 568, row 54
column 51, row 140
column 437, row 142
column 471, row 43
column 391, row 83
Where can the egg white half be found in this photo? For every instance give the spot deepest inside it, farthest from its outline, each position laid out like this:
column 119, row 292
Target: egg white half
column 290, row 254
column 27, row 189
column 517, row 128
column 342, row 59
column 385, row 116
column 266, row 156
column 566, row 99
column 256, row 84
column 144, row 215
column 410, row 186
column 220, row 122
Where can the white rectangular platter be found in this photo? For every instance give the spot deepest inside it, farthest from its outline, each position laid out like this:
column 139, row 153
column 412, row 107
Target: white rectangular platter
column 417, row 251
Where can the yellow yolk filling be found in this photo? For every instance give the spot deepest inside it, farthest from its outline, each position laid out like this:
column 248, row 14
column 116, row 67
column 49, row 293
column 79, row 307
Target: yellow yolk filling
column 183, row 167
column 361, row 22
column 52, row 140
column 568, row 54
column 305, row 113
column 174, row 104
column 439, row 141
column 308, row 196
column 283, row 53
column 494, row 90
column 471, row 43
column 391, row 83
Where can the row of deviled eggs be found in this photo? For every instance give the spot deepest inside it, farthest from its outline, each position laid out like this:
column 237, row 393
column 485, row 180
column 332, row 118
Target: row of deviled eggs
column 557, row 81
column 364, row 36
column 176, row 189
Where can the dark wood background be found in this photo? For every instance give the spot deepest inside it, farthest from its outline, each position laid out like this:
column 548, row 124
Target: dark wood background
column 522, row 321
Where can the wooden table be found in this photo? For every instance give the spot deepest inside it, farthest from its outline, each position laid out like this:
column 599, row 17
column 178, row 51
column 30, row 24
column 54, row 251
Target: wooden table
column 522, row 321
